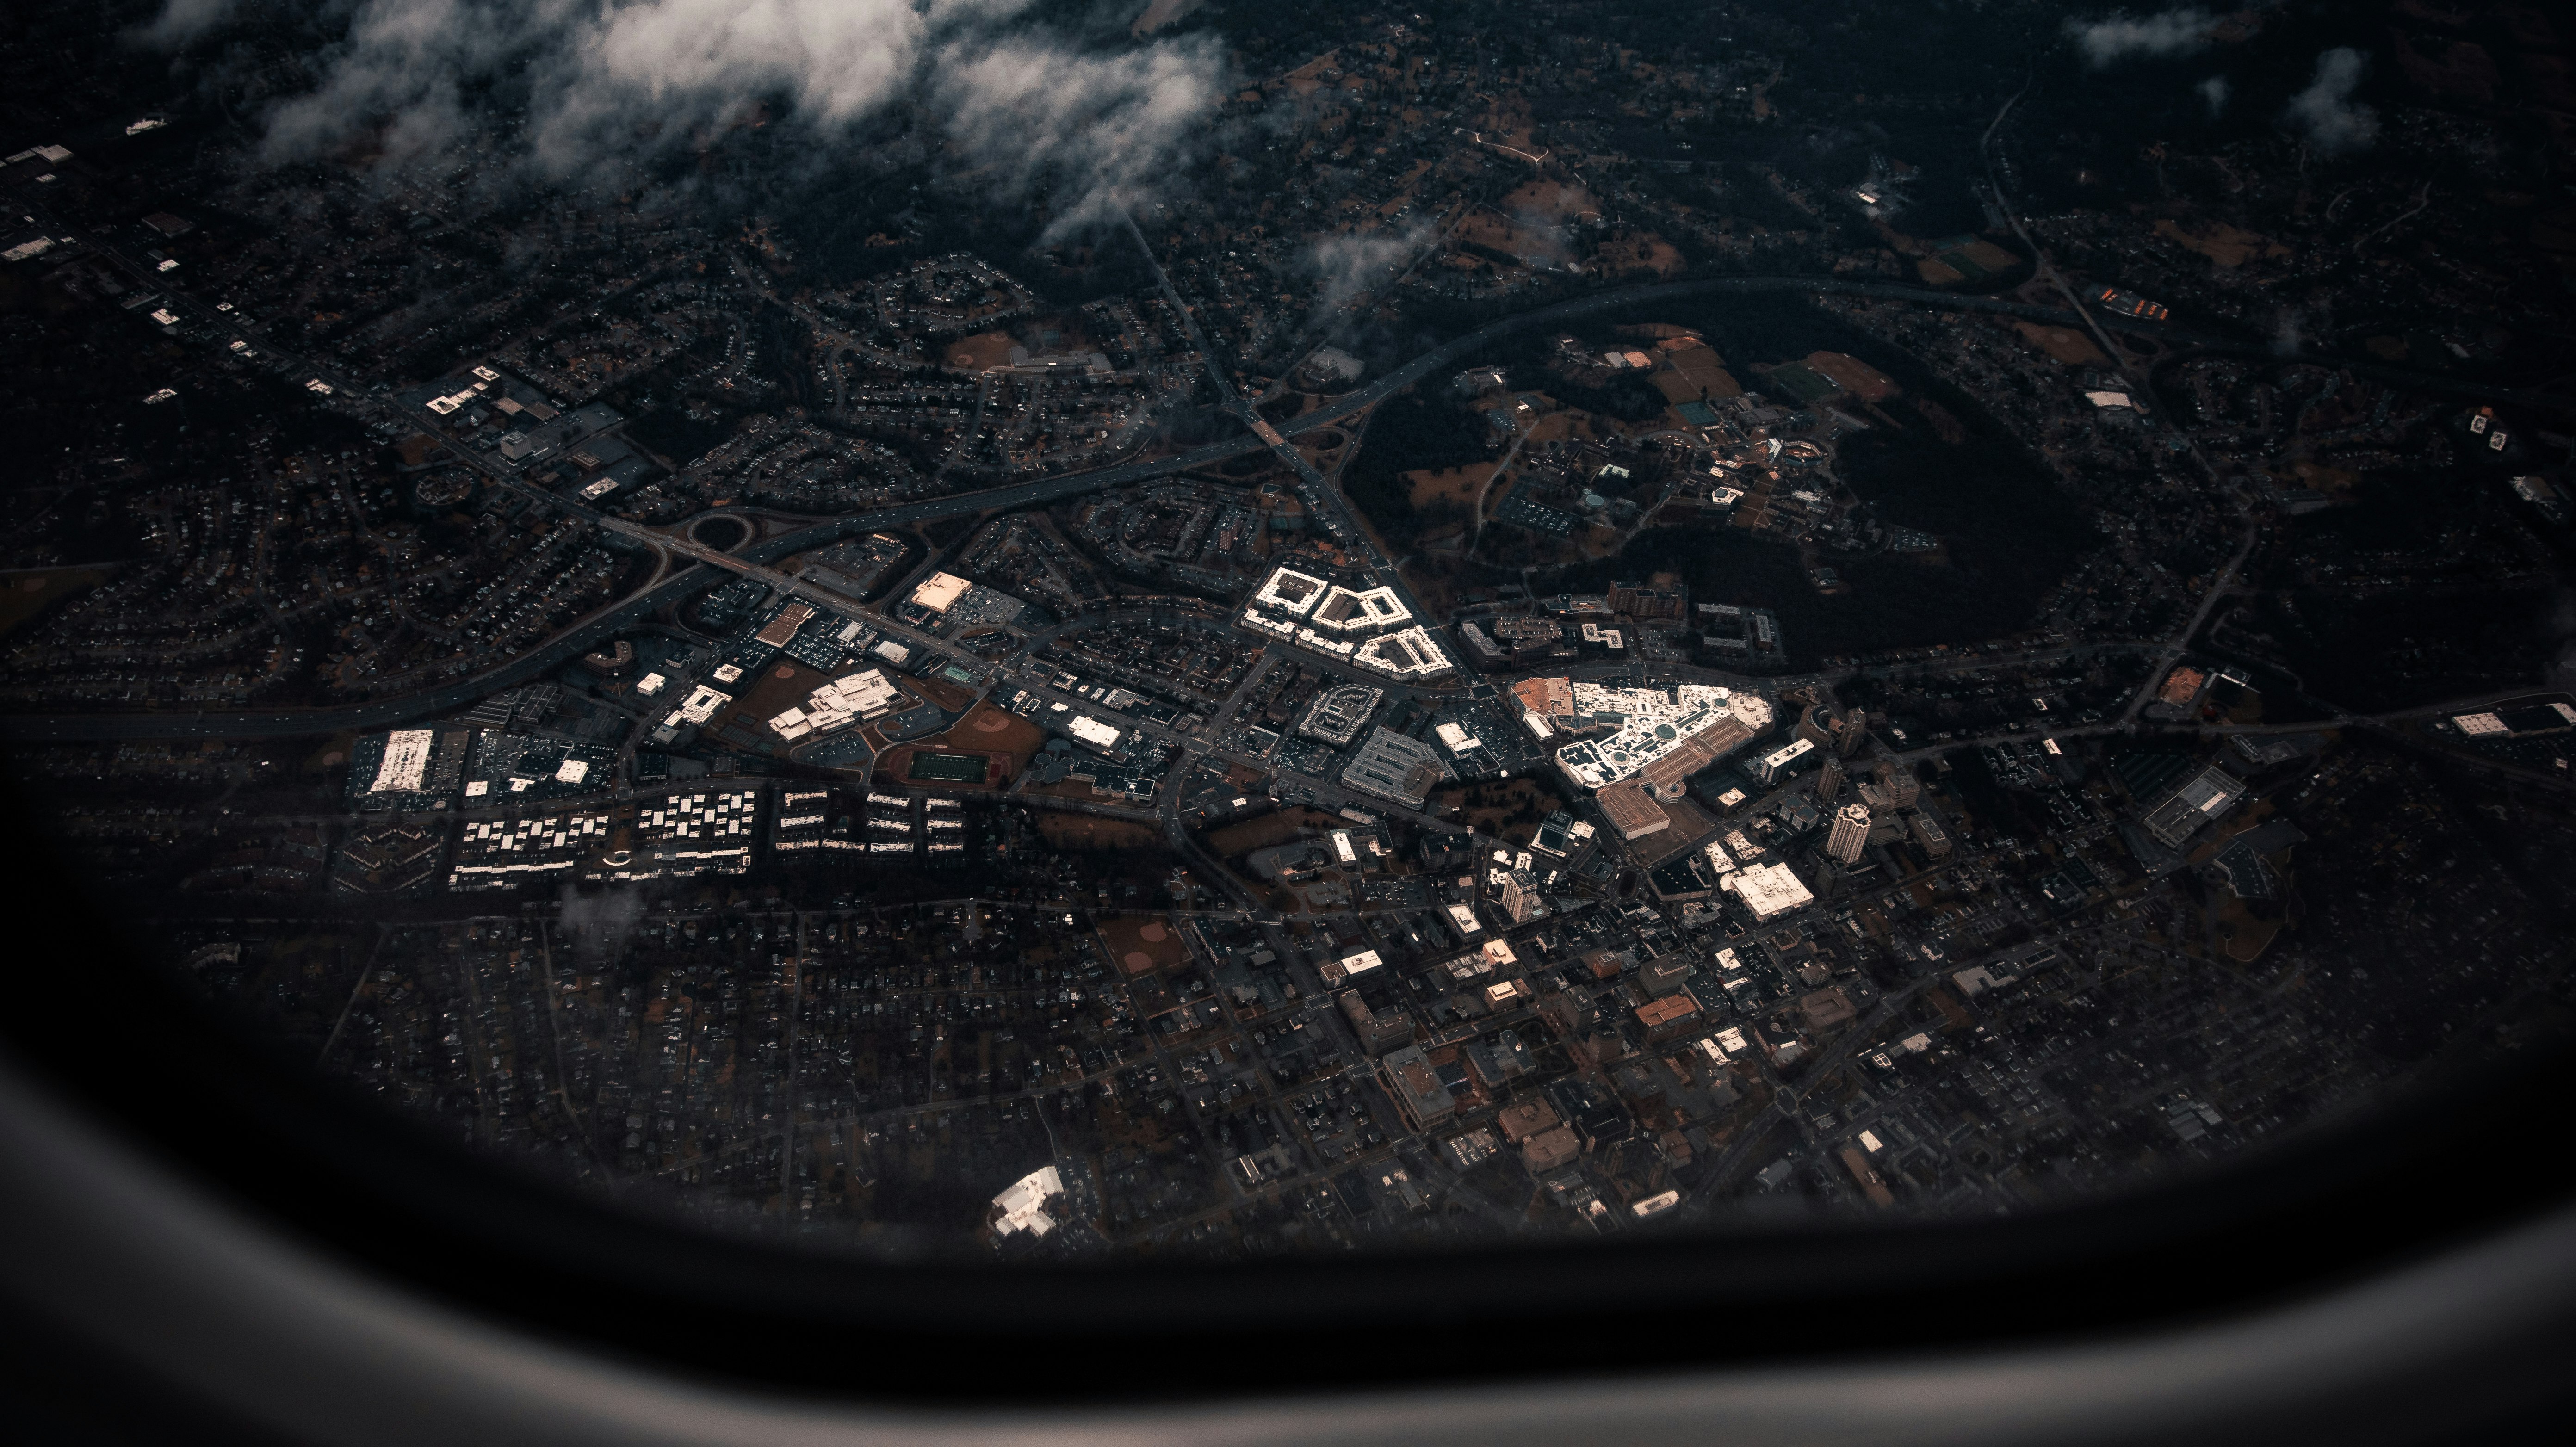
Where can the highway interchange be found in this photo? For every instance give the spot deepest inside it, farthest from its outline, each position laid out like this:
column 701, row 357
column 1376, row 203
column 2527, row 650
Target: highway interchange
column 688, row 568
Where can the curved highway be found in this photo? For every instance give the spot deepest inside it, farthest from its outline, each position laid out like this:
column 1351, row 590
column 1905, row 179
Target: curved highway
column 600, row 627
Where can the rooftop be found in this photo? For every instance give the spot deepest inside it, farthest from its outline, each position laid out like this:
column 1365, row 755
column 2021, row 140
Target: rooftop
column 1769, row 890
column 1288, row 591
column 1698, row 722
column 1392, row 766
column 940, row 592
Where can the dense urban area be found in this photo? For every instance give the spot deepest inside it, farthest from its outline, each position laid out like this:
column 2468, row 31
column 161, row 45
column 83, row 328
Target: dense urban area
column 1513, row 621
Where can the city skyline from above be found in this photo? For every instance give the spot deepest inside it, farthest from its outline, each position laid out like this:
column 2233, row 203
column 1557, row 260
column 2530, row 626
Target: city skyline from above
column 1023, row 632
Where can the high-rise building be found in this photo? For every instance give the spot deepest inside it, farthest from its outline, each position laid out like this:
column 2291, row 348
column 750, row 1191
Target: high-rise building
column 1850, row 834
column 1899, row 784
column 1850, row 731
column 1816, row 725
column 1781, row 762
column 1829, row 782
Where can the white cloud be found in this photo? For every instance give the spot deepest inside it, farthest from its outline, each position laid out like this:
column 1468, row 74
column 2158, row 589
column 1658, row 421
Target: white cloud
column 670, row 65
column 2124, row 37
column 182, row 21
column 609, row 80
column 409, row 63
column 1101, row 127
column 2326, row 113
column 1348, row 263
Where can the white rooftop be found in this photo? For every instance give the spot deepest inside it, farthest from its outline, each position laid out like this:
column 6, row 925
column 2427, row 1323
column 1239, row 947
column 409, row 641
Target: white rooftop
column 1288, row 591
column 941, row 592
column 1653, row 723
column 1346, row 610
column 1769, row 890
column 1019, row 1203
column 406, row 761
column 701, row 705
column 1412, row 653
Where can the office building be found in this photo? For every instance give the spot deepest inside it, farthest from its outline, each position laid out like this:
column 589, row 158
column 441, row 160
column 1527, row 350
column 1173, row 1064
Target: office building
column 1634, row 599
column 1898, row 783
column 2195, row 802
column 1850, row 833
column 1415, row 1088
column 1781, row 762
column 1379, row 1030
column 1392, row 766
column 1767, row 890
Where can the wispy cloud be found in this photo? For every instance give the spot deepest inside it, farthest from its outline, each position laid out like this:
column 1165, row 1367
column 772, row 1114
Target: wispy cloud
column 2124, row 37
column 2326, row 114
column 182, row 21
column 1025, row 106
column 1347, row 263
column 1100, row 127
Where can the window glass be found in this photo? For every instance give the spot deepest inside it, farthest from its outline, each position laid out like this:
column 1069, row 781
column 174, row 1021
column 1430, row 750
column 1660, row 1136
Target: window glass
column 1194, row 628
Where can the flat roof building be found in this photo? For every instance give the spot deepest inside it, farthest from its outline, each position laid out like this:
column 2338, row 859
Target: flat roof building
column 778, row 632
column 1550, row 1149
column 1525, row 1118
column 1769, row 890
column 406, row 759
column 1288, row 591
column 2194, row 802
column 1700, row 723
column 1415, row 1087
column 1850, row 833
column 1392, row 766
column 1379, row 1030
column 1338, row 713
column 1783, row 761
column 940, row 592
column 1631, row 812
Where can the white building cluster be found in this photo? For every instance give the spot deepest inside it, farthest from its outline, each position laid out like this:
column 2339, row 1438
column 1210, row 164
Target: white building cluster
column 838, row 704
column 692, row 834
column 1369, row 627
column 1696, row 722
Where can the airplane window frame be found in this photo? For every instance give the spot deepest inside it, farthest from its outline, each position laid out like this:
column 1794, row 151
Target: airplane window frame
column 266, row 1334
column 2340, row 1201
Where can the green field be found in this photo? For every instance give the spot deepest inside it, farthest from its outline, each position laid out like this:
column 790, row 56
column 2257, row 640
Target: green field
column 25, row 594
column 1804, row 386
column 947, row 768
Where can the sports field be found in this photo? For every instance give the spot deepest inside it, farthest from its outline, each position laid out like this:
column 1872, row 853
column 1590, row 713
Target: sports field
column 947, row 768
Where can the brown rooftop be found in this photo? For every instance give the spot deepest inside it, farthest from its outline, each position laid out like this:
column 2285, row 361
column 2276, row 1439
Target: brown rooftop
column 1526, row 1118
column 1665, row 1011
column 783, row 628
column 1630, row 812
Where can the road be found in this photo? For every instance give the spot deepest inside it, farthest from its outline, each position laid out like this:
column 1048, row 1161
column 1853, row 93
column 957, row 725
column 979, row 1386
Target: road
column 2386, row 722
column 675, row 586
column 2142, row 397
